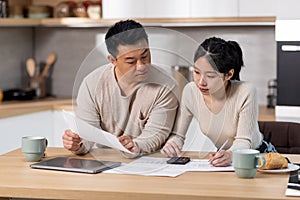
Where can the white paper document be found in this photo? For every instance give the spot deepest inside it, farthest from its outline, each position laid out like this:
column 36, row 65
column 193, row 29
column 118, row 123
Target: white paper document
column 205, row 166
column 146, row 170
column 91, row 133
column 150, row 166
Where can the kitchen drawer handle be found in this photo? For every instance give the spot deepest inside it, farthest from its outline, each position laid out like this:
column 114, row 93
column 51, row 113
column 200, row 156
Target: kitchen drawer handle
column 290, row 48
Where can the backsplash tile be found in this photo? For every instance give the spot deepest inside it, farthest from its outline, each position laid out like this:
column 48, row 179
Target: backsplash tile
column 15, row 48
column 72, row 46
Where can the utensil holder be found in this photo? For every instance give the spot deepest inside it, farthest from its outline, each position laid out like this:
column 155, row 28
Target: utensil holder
column 38, row 83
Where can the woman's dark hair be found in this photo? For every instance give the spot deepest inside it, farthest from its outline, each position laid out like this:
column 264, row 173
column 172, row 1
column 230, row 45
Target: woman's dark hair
column 127, row 32
column 222, row 55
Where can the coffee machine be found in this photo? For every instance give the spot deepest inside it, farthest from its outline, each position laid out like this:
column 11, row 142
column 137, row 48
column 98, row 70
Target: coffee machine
column 272, row 93
column 288, row 70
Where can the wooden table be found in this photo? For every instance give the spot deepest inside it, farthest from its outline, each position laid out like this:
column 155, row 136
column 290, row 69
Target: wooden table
column 18, row 180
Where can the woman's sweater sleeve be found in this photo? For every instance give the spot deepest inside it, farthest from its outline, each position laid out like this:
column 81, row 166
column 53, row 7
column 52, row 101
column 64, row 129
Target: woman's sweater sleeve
column 183, row 118
column 248, row 135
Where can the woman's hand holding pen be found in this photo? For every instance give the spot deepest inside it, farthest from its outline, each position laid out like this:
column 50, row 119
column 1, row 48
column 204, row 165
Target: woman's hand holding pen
column 221, row 158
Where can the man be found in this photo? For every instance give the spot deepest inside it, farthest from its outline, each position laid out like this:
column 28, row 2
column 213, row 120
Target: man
column 128, row 97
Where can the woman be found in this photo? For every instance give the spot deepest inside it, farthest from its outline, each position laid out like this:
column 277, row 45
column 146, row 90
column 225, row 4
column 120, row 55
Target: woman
column 225, row 107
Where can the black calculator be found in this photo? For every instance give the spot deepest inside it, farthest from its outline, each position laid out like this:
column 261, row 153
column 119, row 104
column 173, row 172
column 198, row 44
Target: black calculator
column 179, row 160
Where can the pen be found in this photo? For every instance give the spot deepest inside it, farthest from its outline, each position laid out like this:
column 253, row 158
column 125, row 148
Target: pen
column 223, row 145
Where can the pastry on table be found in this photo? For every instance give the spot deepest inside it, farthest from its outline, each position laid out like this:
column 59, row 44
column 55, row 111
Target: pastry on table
column 274, row 161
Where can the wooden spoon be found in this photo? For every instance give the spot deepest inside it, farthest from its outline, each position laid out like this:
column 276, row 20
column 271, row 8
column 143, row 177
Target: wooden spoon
column 50, row 60
column 30, row 66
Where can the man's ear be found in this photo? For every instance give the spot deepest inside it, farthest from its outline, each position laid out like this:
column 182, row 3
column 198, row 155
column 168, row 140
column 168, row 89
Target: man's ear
column 229, row 74
column 112, row 59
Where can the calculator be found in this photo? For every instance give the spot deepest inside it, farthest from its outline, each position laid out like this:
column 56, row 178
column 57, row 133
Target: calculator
column 179, row 160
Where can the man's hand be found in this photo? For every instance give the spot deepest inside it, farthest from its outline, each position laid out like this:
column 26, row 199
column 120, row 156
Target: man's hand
column 71, row 140
column 171, row 149
column 128, row 143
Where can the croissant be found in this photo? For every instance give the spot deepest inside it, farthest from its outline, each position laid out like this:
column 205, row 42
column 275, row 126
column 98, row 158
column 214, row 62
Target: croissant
column 274, row 161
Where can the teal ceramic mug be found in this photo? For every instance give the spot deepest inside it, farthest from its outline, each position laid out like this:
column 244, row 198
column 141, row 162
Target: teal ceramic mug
column 246, row 162
column 33, row 148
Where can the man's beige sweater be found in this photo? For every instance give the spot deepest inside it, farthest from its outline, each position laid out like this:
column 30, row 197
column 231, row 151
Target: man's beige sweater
column 147, row 115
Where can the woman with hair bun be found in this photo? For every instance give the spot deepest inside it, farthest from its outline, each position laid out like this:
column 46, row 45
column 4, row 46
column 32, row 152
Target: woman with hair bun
column 225, row 107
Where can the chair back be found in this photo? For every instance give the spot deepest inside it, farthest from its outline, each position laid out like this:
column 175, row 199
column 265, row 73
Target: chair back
column 285, row 136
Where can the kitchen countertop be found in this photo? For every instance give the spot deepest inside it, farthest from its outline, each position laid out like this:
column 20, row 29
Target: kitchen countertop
column 16, row 108
column 266, row 114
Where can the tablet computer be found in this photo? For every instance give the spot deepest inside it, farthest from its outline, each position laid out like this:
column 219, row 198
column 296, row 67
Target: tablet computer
column 76, row 165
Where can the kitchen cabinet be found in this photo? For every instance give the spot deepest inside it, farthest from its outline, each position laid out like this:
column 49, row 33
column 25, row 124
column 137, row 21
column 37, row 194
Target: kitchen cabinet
column 213, row 8
column 36, row 118
column 116, row 9
column 14, row 128
column 113, row 9
column 175, row 13
column 282, row 9
column 49, row 124
column 251, row 8
column 167, row 13
column 166, row 9
column 288, row 9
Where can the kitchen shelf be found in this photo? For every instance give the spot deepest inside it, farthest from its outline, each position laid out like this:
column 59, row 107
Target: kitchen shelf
column 161, row 22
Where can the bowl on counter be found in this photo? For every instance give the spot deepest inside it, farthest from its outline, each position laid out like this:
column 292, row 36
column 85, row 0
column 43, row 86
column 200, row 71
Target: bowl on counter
column 39, row 11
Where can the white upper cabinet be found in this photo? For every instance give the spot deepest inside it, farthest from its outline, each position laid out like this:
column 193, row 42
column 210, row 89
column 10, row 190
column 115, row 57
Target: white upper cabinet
column 167, row 8
column 123, row 9
column 213, row 8
column 288, row 9
column 257, row 8
column 145, row 9
column 115, row 9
